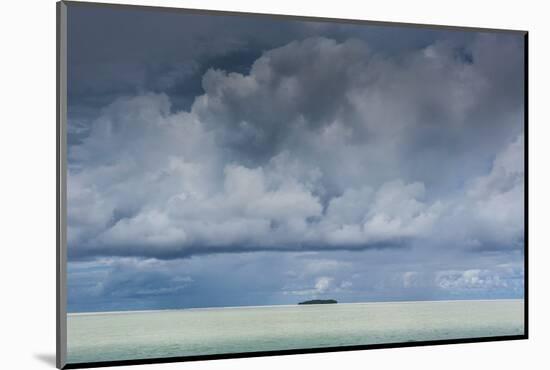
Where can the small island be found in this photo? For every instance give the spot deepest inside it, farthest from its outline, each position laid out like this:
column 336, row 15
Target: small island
column 319, row 301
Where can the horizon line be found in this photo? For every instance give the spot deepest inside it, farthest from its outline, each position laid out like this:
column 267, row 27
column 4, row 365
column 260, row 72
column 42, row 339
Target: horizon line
column 91, row 313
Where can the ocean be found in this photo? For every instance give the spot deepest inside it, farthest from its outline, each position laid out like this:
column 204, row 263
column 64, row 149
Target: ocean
column 111, row 336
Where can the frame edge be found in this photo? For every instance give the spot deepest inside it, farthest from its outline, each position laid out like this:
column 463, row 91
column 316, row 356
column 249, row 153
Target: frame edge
column 526, row 182
column 61, row 184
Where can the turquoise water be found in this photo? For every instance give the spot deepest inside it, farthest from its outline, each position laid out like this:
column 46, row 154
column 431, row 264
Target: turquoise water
column 152, row 334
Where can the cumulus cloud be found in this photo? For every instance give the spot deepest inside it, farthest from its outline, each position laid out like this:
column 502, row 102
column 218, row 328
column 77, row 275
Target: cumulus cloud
column 491, row 213
column 322, row 145
column 498, row 280
column 479, row 280
column 319, row 287
column 323, row 284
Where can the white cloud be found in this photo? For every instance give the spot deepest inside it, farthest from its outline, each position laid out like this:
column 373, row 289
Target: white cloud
column 490, row 214
column 474, row 279
column 322, row 145
column 410, row 279
column 323, row 284
column 393, row 213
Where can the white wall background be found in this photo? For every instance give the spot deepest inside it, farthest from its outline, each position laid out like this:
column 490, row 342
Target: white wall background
column 27, row 185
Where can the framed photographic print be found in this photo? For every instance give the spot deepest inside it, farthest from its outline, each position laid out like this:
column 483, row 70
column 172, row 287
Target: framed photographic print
column 235, row 184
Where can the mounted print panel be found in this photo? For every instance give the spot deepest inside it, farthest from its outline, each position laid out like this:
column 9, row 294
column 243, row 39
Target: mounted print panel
column 236, row 185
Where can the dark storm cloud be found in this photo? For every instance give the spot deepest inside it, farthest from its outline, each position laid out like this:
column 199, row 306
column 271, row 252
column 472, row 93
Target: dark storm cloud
column 285, row 135
column 449, row 105
column 306, row 152
column 125, row 51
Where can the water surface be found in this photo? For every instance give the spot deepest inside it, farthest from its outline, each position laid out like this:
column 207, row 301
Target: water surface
column 151, row 334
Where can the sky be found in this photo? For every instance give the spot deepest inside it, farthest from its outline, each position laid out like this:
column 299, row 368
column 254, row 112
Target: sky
column 218, row 160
